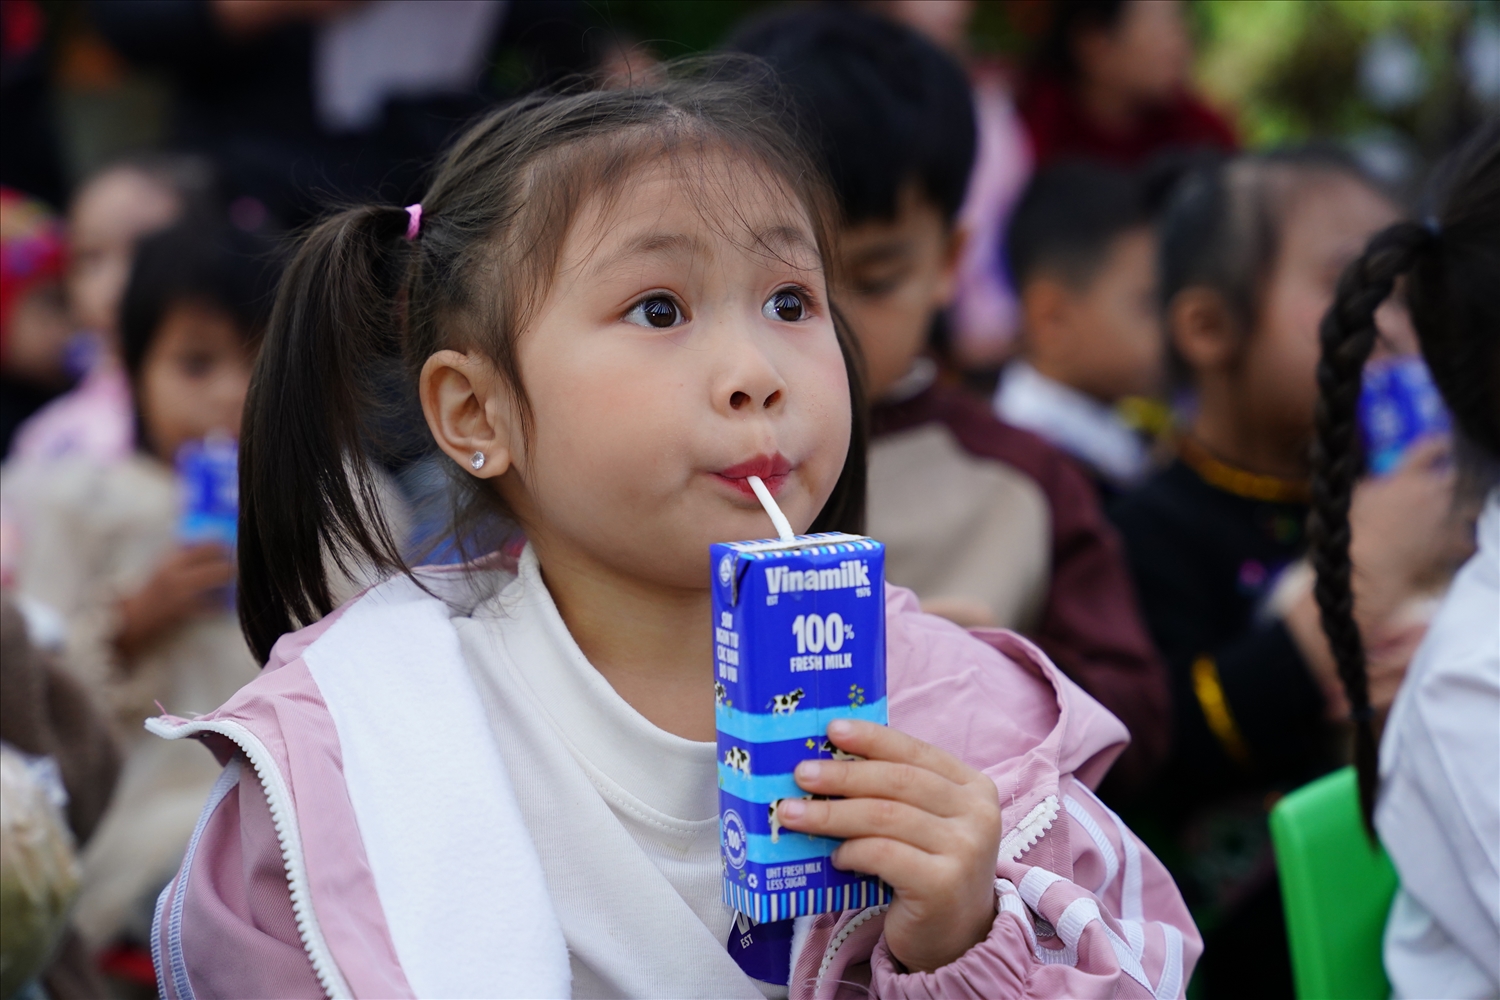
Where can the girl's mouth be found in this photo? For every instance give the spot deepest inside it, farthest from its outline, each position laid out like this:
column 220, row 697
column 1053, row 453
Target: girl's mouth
column 772, row 470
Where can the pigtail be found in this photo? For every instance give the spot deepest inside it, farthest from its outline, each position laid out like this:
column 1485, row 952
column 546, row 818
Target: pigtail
column 308, row 498
column 1348, row 335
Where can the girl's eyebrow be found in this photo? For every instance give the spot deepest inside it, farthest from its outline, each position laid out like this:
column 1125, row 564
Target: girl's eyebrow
column 782, row 238
column 781, row 241
column 882, row 253
column 667, row 246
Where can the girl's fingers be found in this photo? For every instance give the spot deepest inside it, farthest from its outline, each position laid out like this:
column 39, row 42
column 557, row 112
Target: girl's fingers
column 199, row 580
column 899, row 865
column 876, row 742
column 886, row 818
column 1432, row 453
column 879, row 779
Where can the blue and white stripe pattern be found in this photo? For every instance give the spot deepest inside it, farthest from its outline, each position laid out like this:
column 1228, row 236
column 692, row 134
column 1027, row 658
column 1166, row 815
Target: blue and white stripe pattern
column 770, row 906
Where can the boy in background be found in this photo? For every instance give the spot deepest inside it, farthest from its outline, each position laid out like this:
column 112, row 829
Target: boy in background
column 989, row 524
column 1082, row 253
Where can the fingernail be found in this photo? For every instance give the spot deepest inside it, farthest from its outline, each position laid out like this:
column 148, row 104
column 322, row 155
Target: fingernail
column 791, row 808
column 809, row 769
column 840, row 727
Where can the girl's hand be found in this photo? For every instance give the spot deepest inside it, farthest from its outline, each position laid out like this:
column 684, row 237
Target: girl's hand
column 186, row 584
column 926, row 823
column 1406, row 535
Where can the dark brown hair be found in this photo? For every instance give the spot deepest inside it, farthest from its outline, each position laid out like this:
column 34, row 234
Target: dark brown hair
column 361, row 308
column 1451, row 262
column 194, row 261
column 1223, row 222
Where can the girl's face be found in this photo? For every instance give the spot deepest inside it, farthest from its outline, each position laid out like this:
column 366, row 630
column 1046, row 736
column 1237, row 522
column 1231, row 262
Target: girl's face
column 107, row 218
column 685, row 344
column 1326, row 224
column 193, row 378
column 1145, row 55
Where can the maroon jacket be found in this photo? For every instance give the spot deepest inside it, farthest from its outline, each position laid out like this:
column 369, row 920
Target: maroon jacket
column 1090, row 625
column 1060, row 128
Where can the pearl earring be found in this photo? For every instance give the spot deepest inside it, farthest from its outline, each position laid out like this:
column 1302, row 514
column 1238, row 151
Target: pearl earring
column 477, row 462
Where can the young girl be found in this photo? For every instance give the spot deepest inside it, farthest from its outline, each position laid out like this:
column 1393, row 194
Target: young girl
column 1437, row 815
column 147, row 614
column 113, row 210
column 499, row 780
column 1251, row 252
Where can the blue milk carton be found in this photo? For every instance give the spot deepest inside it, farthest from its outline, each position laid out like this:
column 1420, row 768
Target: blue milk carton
column 208, row 472
column 799, row 640
column 1398, row 406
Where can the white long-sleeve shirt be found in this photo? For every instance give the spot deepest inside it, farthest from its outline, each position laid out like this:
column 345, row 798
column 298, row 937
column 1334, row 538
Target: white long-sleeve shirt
column 624, row 815
column 1439, row 809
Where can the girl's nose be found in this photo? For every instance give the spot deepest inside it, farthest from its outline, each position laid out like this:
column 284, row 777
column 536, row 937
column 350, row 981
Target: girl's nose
column 746, row 379
column 751, row 385
column 739, row 400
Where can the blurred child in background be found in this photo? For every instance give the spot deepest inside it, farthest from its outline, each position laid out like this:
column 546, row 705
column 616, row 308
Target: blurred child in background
column 1251, row 252
column 109, row 214
column 1439, row 760
column 985, row 315
column 148, row 616
column 46, row 714
column 987, row 523
column 33, row 315
column 1082, row 252
column 1111, row 85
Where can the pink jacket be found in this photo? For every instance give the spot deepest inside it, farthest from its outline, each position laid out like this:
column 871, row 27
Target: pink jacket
column 280, row 892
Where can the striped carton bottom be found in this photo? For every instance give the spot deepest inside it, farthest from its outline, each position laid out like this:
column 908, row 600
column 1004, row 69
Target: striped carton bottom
column 764, row 907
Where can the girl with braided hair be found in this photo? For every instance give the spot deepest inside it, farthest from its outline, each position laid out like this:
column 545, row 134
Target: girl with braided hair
column 1438, row 812
column 1251, row 252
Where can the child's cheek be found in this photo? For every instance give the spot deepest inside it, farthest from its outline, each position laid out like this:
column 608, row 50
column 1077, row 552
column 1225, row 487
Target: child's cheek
column 825, row 387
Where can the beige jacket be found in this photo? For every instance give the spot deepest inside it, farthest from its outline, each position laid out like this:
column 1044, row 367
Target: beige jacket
column 90, row 533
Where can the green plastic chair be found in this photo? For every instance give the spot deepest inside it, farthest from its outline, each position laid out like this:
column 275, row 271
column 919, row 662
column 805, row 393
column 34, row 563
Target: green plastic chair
column 1336, row 888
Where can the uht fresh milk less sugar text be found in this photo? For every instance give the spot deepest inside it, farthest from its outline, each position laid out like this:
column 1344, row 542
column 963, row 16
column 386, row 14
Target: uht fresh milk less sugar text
column 799, row 640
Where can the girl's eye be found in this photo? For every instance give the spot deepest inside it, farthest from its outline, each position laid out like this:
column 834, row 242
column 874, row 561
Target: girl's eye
column 196, row 365
column 786, row 305
column 659, row 312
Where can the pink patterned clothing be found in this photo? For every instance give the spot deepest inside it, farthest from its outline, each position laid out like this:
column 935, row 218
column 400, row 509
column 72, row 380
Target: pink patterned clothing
column 986, row 311
column 365, row 839
column 95, row 420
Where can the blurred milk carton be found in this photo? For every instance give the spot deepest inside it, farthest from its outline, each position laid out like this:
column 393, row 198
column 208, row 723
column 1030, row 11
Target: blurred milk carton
column 208, row 472
column 1398, row 405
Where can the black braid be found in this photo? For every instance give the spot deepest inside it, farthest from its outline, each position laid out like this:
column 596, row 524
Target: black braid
column 1348, row 335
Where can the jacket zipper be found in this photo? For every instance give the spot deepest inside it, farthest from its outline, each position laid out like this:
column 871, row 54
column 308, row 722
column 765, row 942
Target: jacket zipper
column 283, row 817
column 840, row 938
column 1020, row 840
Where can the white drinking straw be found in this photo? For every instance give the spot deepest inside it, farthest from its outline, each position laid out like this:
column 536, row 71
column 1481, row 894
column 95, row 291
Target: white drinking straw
column 783, row 526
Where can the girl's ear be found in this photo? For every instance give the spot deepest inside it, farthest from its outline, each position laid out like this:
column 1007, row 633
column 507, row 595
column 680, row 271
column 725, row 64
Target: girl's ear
column 1046, row 317
column 470, row 411
column 953, row 253
column 1203, row 329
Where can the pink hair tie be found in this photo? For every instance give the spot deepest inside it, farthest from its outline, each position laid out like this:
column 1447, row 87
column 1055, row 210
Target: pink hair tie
column 415, row 225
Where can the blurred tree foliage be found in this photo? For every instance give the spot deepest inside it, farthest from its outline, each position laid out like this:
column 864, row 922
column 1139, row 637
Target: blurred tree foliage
column 1391, row 78
column 1291, row 71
